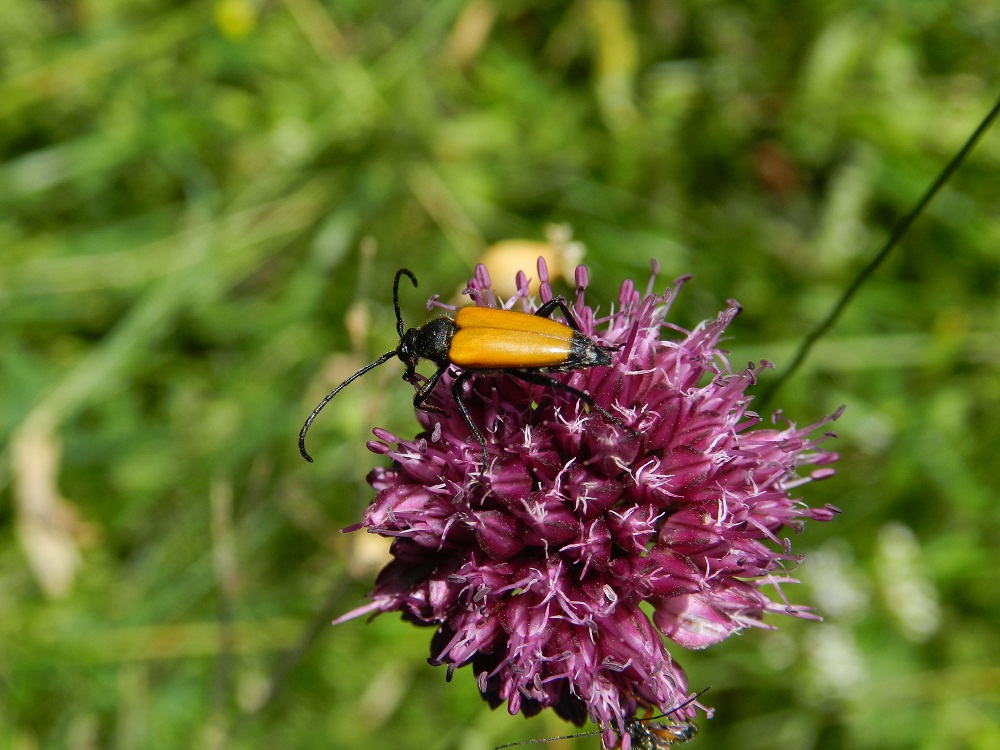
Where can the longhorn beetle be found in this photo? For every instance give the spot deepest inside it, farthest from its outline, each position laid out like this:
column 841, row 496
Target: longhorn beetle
column 485, row 340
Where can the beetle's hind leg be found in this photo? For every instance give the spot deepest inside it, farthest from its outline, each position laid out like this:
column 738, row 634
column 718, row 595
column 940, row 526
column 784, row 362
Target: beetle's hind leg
column 537, row 378
column 558, row 303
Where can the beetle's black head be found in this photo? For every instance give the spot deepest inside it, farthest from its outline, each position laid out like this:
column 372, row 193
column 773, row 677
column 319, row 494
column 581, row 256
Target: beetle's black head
column 408, row 350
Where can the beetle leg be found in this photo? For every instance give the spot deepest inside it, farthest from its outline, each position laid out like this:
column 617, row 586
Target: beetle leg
column 558, row 303
column 456, row 391
column 425, row 390
column 410, row 376
column 537, row 378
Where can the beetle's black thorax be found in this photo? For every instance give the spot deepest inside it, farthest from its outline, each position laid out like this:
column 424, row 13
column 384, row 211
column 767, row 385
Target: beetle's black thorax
column 431, row 341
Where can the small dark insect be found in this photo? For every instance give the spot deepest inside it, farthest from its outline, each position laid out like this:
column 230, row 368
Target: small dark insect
column 655, row 735
column 644, row 734
column 487, row 340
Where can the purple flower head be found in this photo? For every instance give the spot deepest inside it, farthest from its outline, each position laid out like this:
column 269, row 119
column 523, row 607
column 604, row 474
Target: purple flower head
column 533, row 569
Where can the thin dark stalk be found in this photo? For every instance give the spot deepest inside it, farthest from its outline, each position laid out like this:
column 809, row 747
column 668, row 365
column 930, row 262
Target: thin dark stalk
column 901, row 228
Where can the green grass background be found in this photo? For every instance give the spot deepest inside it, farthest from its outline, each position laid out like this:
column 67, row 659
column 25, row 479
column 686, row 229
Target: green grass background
column 201, row 205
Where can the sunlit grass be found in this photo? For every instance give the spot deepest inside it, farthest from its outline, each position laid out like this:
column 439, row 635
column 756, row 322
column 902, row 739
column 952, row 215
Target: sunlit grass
column 201, row 207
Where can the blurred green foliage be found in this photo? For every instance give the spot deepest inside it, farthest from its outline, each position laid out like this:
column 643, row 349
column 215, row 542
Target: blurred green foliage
column 200, row 208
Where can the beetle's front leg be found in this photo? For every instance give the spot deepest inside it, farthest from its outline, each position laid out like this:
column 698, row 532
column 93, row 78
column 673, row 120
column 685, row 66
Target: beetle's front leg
column 425, row 390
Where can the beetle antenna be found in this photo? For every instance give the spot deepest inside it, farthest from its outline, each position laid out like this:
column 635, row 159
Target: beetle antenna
column 539, row 741
column 380, row 361
column 677, row 708
column 395, row 295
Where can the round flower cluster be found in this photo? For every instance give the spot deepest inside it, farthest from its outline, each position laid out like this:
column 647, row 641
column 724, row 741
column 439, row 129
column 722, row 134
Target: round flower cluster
column 533, row 568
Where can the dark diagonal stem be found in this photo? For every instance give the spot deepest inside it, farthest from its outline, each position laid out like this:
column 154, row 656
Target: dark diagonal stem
column 901, row 228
